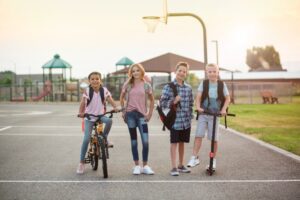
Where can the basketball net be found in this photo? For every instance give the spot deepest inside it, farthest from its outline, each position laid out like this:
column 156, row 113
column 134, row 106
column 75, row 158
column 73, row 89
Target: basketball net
column 151, row 22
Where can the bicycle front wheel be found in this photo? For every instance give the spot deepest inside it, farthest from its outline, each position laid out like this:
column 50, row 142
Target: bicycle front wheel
column 94, row 157
column 103, row 157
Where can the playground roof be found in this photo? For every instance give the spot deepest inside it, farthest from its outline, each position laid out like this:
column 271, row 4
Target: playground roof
column 166, row 63
column 57, row 62
column 124, row 62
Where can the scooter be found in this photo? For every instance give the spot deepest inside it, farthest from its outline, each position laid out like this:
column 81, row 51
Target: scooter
column 210, row 170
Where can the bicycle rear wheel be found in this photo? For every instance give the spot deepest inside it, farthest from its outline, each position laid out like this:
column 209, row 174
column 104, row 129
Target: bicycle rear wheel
column 94, row 157
column 103, row 157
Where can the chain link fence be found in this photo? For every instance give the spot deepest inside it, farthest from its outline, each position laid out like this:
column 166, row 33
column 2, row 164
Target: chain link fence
column 57, row 91
column 251, row 92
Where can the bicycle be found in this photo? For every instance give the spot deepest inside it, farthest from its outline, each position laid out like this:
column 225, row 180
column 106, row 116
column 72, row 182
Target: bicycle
column 210, row 170
column 98, row 146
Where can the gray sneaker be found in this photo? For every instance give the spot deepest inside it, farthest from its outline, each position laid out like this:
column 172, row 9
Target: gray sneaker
column 174, row 172
column 183, row 169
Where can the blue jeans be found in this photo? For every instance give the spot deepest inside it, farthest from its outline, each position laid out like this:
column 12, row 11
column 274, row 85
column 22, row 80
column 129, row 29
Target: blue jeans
column 88, row 127
column 135, row 120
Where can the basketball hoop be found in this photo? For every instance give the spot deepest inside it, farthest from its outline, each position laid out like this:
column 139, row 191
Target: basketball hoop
column 151, row 22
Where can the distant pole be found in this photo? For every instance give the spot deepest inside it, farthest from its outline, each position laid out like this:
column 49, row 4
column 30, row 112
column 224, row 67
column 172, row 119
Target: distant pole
column 217, row 50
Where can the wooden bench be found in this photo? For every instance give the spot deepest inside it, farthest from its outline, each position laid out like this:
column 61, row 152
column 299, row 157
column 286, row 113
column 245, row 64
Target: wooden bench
column 268, row 97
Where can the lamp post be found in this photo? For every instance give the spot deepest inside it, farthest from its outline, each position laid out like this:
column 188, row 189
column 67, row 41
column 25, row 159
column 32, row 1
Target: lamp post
column 153, row 20
column 217, row 50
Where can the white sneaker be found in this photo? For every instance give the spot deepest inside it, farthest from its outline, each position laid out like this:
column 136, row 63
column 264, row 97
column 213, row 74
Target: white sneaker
column 193, row 161
column 147, row 170
column 136, row 170
column 80, row 168
column 110, row 144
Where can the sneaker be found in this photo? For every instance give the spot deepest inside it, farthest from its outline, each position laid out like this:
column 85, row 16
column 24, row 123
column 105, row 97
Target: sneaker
column 174, row 172
column 136, row 170
column 193, row 161
column 110, row 144
column 147, row 170
column 214, row 164
column 183, row 169
column 80, row 168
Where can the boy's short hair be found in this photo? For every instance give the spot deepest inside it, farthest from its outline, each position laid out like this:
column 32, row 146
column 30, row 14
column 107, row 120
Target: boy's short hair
column 211, row 65
column 184, row 64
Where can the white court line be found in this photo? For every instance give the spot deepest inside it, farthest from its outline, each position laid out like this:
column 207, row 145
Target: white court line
column 152, row 181
column 8, row 127
column 74, row 135
column 26, row 113
column 79, row 125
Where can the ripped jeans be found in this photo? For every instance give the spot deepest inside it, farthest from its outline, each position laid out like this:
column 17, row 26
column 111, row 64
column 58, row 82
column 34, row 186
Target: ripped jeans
column 135, row 119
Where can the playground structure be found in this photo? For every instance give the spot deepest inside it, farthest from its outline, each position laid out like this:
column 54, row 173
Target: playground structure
column 52, row 87
column 41, row 92
column 62, row 87
column 62, row 92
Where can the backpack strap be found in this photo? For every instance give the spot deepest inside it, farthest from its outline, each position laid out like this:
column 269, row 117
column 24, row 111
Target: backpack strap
column 221, row 97
column 205, row 91
column 91, row 94
column 147, row 86
column 127, row 90
column 101, row 91
column 175, row 92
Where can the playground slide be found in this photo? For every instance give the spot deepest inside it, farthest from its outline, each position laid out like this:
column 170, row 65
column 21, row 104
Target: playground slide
column 46, row 91
column 42, row 95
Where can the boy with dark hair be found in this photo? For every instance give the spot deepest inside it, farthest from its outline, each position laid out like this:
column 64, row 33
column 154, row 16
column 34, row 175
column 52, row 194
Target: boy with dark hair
column 180, row 131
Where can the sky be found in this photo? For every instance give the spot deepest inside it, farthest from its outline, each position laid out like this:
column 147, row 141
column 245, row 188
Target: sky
column 94, row 34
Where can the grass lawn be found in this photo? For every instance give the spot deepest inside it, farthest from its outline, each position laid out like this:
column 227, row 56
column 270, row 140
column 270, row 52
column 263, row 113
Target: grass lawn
column 277, row 124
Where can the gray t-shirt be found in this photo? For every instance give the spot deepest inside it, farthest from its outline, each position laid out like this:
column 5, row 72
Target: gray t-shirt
column 214, row 105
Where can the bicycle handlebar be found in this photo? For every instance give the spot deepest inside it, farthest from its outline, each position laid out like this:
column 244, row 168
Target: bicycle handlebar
column 218, row 114
column 99, row 116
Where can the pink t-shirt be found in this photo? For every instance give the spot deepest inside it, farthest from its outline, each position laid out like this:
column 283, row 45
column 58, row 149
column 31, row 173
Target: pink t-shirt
column 137, row 97
column 95, row 107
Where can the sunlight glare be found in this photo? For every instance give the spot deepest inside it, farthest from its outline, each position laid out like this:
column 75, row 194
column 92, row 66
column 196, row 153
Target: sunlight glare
column 244, row 37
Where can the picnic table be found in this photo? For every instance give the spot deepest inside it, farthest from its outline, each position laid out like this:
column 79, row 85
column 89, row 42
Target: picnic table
column 268, row 97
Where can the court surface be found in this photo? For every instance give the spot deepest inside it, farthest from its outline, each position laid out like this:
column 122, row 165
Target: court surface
column 40, row 146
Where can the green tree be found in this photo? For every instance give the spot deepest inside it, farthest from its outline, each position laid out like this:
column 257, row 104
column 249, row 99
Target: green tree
column 193, row 80
column 6, row 78
column 263, row 59
column 28, row 82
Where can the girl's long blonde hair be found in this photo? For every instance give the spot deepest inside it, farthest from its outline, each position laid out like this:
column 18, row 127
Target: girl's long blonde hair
column 141, row 68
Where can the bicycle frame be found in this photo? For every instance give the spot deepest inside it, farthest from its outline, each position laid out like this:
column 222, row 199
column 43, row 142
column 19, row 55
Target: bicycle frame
column 98, row 148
